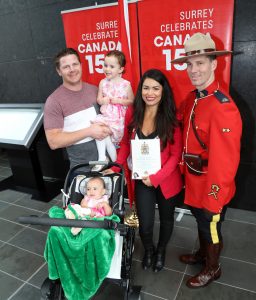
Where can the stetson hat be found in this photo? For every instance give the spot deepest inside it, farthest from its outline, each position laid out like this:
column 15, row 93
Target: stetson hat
column 199, row 44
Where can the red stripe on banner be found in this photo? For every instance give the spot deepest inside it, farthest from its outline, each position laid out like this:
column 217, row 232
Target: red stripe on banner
column 126, row 49
column 125, row 39
column 164, row 26
column 94, row 31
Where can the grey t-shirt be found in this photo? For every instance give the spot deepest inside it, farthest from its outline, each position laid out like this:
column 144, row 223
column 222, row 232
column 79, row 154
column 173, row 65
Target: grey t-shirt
column 70, row 111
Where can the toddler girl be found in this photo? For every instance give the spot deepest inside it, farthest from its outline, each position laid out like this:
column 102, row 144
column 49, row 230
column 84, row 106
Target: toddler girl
column 114, row 95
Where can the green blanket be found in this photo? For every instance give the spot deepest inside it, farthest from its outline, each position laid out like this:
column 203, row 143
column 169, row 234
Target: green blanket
column 82, row 261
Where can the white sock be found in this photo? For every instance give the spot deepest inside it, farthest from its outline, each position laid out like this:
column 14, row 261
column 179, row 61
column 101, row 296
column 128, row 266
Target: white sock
column 101, row 146
column 111, row 149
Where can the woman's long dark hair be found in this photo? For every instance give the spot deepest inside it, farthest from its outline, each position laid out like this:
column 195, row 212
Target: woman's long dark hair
column 165, row 120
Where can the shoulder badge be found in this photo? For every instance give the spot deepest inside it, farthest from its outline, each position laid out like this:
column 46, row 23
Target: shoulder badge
column 221, row 97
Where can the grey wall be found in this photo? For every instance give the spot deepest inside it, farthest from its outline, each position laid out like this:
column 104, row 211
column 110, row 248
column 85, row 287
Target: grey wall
column 243, row 89
column 31, row 34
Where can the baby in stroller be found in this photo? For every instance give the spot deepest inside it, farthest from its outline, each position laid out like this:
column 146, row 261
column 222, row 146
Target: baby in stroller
column 94, row 204
column 78, row 264
column 82, row 261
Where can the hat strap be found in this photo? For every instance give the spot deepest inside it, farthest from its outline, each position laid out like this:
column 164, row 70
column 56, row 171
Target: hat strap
column 202, row 51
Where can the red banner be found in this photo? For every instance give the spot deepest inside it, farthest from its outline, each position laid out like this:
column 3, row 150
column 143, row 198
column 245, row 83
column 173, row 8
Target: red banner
column 125, row 37
column 94, row 31
column 165, row 25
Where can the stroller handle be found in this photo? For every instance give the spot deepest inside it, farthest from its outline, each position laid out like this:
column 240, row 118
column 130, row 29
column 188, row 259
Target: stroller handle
column 90, row 163
column 104, row 224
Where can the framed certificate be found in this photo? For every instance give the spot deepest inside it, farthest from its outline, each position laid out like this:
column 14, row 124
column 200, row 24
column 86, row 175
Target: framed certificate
column 146, row 159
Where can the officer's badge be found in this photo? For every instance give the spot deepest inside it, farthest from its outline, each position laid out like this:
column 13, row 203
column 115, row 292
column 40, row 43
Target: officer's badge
column 214, row 191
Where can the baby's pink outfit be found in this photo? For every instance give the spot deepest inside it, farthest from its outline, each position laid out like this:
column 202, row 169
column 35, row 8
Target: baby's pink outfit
column 113, row 114
column 92, row 203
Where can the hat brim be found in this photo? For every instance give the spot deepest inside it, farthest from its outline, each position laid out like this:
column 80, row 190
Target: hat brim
column 183, row 59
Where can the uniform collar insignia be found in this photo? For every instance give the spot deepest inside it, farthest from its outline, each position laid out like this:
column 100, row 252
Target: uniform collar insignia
column 201, row 94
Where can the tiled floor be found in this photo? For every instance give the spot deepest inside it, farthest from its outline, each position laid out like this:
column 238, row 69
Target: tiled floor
column 23, row 269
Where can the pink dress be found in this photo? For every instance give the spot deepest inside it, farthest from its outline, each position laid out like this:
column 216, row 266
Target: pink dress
column 113, row 114
column 92, row 203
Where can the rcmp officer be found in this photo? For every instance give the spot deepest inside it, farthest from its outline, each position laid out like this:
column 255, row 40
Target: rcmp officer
column 212, row 132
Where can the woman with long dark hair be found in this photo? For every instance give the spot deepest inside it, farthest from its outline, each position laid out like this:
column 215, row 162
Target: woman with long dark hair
column 153, row 116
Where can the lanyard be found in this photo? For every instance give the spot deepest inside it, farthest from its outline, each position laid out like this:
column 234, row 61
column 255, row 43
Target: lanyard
column 192, row 121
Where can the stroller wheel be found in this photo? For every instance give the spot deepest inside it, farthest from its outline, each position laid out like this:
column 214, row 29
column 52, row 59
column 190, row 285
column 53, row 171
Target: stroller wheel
column 134, row 293
column 46, row 288
column 52, row 290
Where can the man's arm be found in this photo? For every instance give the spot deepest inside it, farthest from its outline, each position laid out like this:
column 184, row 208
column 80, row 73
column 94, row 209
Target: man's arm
column 57, row 138
column 224, row 157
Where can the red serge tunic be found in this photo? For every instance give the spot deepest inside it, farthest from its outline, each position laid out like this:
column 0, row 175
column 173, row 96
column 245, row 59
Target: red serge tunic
column 219, row 126
column 169, row 176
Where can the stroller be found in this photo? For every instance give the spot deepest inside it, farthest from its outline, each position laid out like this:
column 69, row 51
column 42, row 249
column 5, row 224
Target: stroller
column 73, row 192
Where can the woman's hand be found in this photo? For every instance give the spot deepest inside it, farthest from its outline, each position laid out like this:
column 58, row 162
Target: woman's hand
column 146, row 180
column 108, row 171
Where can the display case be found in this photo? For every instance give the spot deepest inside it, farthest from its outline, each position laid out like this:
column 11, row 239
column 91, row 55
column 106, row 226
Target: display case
column 19, row 124
column 20, row 128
